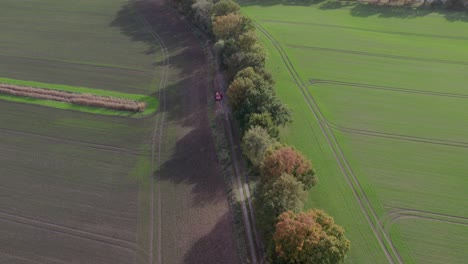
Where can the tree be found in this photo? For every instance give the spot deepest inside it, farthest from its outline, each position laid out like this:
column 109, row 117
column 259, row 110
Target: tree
column 228, row 26
column 248, row 40
column 309, row 237
column 237, row 90
column 231, row 26
column 241, row 59
column 265, row 121
column 275, row 197
column 246, row 79
column 255, row 95
column 290, row 161
column 201, row 14
column 255, row 143
column 224, row 7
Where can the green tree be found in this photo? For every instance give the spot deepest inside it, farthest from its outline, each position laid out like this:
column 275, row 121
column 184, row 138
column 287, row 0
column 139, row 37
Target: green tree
column 257, row 96
column 265, row 121
column 255, row 143
column 224, row 7
column 248, row 41
column 309, row 237
column 275, row 197
column 201, row 13
column 288, row 160
column 241, row 59
column 246, row 79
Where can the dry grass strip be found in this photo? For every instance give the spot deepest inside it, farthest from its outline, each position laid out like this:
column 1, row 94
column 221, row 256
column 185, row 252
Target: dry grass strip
column 74, row 98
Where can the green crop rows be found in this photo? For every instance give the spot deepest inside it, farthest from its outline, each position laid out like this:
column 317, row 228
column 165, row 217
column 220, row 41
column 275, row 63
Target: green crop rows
column 379, row 97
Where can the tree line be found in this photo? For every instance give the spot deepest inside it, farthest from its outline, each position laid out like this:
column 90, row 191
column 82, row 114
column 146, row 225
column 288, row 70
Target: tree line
column 285, row 174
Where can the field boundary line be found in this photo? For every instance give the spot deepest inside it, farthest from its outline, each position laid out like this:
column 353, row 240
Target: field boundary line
column 24, row 259
column 368, row 30
column 102, row 147
column 360, row 195
column 386, row 88
column 157, row 135
column 398, row 214
column 378, row 55
column 118, row 242
column 458, row 144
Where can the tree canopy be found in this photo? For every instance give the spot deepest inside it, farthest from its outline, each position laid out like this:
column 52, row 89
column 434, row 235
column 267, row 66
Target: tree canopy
column 224, row 7
column 255, row 143
column 309, row 237
column 288, row 160
column 265, row 121
column 275, row 197
column 231, row 25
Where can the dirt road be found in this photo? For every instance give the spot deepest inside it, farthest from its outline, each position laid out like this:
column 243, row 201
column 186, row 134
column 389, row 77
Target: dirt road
column 193, row 220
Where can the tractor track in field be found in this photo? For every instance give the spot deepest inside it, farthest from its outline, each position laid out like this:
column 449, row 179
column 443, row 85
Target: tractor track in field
column 157, row 140
column 112, row 241
column 368, row 30
column 80, row 65
column 23, row 259
column 387, row 88
column 102, row 147
column 458, row 144
column 399, row 213
column 378, row 55
column 366, row 208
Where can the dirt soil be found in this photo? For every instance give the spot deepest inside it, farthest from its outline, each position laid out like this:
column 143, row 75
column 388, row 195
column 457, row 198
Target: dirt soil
column 195, row 219
column 65, row 192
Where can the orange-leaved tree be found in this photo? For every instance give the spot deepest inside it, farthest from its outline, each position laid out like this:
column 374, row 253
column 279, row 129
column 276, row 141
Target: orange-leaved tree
column 288, row 160
column 309, row 237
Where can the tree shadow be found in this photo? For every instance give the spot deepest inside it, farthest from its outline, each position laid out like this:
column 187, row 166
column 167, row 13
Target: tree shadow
column 216, row 246
column 405, row 12
column 361, row 9
column 146, row 20
column 280, row 2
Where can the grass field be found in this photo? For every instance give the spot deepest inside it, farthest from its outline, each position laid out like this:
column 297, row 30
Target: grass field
column 82, row 187
column 379, row 99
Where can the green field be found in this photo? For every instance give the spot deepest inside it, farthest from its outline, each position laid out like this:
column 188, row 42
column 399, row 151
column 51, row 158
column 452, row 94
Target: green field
column 379, row 99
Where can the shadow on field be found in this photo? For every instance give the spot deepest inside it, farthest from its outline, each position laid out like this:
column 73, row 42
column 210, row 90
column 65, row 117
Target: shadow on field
column 213, row 244
column 161, row 20
column 194, row 208
column 193, row 161
column 366, row 10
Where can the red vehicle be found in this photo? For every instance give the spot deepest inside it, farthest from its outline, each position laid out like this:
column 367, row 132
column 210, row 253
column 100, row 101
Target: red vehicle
column 218, row 96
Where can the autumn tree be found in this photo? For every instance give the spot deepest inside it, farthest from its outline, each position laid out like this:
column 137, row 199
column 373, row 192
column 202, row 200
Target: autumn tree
column 275, row 197
column 231, row 26
column 255, row 143
column 290, row 161
column 309, row 237
column 224, row 7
